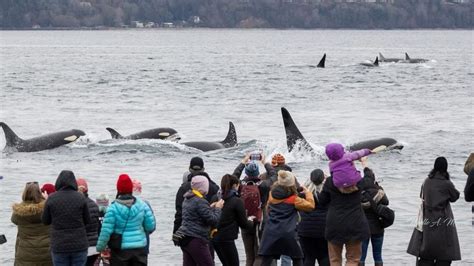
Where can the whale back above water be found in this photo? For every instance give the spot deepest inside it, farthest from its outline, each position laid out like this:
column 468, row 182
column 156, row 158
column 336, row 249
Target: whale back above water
column 44, row 142
column 155, row 133
column 229, row 141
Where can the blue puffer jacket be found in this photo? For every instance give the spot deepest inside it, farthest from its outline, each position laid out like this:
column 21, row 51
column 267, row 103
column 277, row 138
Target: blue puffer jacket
column 140, row 220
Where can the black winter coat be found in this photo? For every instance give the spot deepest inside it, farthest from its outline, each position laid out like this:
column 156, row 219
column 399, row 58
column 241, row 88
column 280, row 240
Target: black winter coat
column 440, row 237
column 377, row 194
column 233, row 216
column 92, row 228
column 313, row 223
column 66, row 210
column 183, row 189
column 345, row 220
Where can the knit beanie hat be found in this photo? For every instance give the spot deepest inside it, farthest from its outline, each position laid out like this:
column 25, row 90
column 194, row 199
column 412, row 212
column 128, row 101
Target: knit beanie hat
column 102, row 202
column 251, row 169
column 286, row 178
column 278, row 159
column 200, row 183
column 441, row 165
column 49, row 188
column 137, row 187
column 317, row 176
column 124, row 184
column 82, row 184
column 196, row 164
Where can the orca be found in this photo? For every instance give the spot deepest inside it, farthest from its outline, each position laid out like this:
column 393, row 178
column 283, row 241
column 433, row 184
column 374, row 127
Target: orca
column 229, row 141
column 414, row 60
column 164, row 133
column 44, row 142
column 391, row 144
column 374, row 64
column 389, row 60
column 294, row 137
column 322, row 62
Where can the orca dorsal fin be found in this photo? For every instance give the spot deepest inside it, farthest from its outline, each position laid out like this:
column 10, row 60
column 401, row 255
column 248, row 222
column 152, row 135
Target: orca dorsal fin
column 293, row 134
column 376, row 62
column 382, row 58
column 114, row 133
column 10, row 136
column 322, row 63
column 231, row 138
column 407, row 57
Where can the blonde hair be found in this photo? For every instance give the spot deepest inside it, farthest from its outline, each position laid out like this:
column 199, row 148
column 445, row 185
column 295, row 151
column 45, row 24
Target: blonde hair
column 32, row 193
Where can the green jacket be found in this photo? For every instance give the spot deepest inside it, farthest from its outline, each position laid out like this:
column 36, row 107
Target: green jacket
column 32, row 240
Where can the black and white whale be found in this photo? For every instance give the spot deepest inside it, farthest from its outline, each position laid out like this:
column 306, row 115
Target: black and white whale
column 374, row 64
column 294, row 138
column 389, row 60
column 45, row 142
column 164, row 133
column 229, row 141
column 322, row 62
column 413, row 60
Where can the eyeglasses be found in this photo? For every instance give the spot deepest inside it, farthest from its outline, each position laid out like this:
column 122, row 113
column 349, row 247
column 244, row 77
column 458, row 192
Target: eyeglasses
column 34, row 182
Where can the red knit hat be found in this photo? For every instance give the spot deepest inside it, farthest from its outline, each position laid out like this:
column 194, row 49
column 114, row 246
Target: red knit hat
column 278, row 159
column 49, row 188
column 82, row 184
column 124, row 184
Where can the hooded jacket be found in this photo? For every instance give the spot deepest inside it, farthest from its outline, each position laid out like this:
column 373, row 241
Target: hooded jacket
column 183, row 189
column 341, row 166
column 129, row 216
column 67, row 211
column 198, row 216
column 279, row 235
column 440, row 237
column 32, row 241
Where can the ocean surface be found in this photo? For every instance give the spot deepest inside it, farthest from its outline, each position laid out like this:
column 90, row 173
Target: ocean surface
column 197, row 80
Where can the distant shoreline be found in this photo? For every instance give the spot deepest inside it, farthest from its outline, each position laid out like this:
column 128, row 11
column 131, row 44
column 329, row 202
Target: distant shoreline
column 210, row 28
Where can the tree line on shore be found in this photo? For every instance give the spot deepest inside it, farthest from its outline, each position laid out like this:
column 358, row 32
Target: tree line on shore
column 403, row 14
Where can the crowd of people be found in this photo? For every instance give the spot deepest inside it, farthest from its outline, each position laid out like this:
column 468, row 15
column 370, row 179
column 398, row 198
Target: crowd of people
column 278, row 217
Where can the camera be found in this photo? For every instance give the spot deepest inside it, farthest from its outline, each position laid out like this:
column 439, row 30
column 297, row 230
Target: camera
column 256, row 156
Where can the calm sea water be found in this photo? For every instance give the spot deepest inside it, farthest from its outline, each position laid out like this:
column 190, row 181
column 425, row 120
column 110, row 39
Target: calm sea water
column 197, row 80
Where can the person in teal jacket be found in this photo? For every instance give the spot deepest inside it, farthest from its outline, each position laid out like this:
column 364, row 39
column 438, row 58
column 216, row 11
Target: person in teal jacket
column 131, row 217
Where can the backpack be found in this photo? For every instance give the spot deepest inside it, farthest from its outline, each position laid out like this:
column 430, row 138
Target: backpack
column 385, row 214
column 250, row 194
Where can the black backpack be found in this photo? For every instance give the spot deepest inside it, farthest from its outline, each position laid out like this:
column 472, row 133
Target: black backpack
column 385, row 214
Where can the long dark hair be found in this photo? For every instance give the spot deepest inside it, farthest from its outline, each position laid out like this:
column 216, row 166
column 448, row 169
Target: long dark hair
column 440, row 167
column 434, row 171
column 227, row 182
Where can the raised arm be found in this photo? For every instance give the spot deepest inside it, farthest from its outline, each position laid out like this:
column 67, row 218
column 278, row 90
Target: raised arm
column 356, row 155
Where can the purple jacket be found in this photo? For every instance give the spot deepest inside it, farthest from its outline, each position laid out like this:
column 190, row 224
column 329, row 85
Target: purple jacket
column 341, row 166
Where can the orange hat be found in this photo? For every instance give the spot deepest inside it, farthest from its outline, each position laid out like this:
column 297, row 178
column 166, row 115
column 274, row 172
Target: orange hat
column 278, row 159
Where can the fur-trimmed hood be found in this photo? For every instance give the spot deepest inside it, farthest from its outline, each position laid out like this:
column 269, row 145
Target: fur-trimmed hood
column 28, row 208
